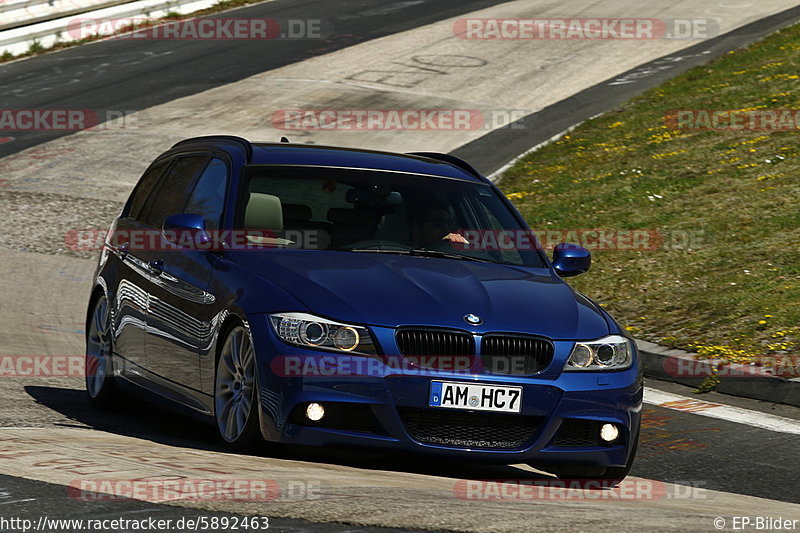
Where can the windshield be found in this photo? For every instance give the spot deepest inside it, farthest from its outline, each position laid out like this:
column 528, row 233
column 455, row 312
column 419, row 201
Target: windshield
column 365, row 211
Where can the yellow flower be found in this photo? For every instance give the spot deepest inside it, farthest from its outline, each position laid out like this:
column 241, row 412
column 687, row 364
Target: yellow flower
column 517, row 195
column 762, row 322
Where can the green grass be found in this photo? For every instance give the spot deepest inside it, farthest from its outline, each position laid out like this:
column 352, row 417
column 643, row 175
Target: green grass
column 734, row 290
column 35, row 48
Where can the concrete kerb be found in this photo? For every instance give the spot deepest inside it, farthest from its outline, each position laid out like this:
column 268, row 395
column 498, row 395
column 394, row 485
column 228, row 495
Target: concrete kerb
column 666, row 364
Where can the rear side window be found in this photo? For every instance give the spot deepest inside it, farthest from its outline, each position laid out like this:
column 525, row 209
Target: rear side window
column 143, row 189
column 208, row 195
column 172, row 192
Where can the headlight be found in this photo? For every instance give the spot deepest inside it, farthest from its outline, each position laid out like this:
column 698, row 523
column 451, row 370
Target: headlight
column 312, row 331
column 614, row 352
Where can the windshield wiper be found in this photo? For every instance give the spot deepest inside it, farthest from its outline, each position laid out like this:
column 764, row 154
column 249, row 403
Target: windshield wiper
column 376, row 250
column 422, row 252
column 425, row 252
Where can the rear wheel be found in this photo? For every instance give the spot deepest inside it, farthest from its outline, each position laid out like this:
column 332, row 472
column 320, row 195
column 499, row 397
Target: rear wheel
column 99, row 373
column 236, row 391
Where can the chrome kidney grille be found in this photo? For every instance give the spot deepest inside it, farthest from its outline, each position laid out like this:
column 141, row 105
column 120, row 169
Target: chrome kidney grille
column 515, row 355
column 501, row 354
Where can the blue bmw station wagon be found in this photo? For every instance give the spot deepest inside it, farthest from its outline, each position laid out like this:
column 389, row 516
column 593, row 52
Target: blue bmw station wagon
column 314, row 295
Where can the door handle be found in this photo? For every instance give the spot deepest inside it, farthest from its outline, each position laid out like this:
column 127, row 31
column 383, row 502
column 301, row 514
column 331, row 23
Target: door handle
column 156, row 267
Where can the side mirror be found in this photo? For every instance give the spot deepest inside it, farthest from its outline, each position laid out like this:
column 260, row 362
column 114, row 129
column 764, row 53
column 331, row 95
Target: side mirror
column 186, row 230
column 571, row 260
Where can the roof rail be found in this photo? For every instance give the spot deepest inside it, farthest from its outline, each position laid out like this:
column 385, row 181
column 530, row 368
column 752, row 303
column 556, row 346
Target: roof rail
column 248, row 148
column 453, row 160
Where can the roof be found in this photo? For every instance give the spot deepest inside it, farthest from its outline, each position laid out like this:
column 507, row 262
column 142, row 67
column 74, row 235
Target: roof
column 262, row 153
column 293, row 154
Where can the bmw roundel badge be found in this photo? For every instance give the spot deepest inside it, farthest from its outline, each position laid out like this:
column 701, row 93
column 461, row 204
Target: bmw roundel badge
column 475, row 320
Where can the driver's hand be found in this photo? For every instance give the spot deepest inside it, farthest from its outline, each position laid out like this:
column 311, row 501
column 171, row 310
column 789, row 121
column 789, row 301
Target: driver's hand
column 455, row 237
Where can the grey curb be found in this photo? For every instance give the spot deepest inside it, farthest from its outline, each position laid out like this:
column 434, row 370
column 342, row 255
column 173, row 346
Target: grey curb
column 667, row 364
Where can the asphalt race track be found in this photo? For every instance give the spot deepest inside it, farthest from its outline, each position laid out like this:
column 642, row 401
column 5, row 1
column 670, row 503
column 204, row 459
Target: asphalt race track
column 690, row 469
column 136, row 74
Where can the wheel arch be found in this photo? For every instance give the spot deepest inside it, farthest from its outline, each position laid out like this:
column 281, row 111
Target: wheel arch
column 231, row 319
column 98, row 291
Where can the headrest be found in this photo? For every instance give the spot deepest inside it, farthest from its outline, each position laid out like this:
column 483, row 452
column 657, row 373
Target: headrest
column 296, row 212
column 350, row 217
column 263, row 212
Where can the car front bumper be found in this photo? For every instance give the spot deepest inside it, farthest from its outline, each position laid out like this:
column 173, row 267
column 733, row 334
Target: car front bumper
column 388, row 396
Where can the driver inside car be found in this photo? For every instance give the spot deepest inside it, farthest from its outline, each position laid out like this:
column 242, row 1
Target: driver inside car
column 434, row 226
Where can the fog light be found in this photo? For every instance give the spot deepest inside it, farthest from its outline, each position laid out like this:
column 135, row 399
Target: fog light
column 315, row 412
column 608, row 432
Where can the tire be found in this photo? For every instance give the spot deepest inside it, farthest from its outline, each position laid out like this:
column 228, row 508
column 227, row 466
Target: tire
column 236, row 409
column 100, row 387
column 611, row 473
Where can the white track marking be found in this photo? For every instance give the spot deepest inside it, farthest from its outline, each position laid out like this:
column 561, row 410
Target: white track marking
column 723, row 412
column 19, row 501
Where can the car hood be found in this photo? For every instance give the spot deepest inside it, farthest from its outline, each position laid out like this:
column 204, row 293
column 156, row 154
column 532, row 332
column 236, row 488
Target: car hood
column 396, row 290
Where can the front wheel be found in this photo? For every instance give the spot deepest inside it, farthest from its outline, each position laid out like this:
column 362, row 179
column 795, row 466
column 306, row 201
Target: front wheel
column 100, row 386
column 236, row 391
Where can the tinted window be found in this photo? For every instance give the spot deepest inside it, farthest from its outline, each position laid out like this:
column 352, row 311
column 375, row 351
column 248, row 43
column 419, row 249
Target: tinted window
column 172, row 192
column 373, row 211
column 498, row 218
column 144, row 188
column 208, row 196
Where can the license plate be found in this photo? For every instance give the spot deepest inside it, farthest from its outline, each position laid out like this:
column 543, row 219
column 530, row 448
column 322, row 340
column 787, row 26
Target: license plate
column 475, row 396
